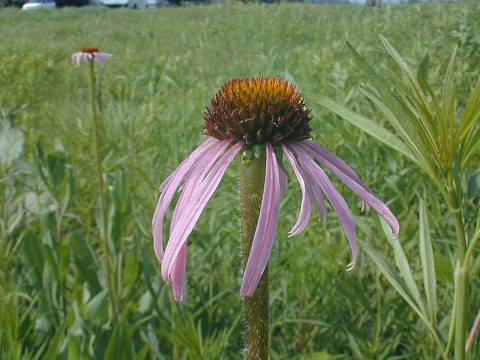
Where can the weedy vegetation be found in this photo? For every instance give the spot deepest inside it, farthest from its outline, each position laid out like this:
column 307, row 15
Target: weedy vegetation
column 167, row 63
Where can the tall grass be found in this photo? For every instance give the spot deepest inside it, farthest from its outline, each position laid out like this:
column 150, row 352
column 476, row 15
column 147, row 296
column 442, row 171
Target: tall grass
column 167, row 64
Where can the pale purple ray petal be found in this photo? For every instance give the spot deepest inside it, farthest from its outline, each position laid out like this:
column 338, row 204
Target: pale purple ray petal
column 266, row 226
column 101, row 56
column 194, row 208
column 194, row 178
column 305, row 207
column 315, row 193
column 338, row 203
column 178, row 275
column 204, row 163
column 168, row 189
column 333, row 161
column 199, row 151
column 350, row 179
column 189, row 197
column 76, row 58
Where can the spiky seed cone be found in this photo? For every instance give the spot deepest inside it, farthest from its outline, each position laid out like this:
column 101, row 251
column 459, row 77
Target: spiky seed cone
column 258, row 110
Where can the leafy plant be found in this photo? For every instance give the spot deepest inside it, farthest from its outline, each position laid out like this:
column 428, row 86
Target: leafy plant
column 430, row 132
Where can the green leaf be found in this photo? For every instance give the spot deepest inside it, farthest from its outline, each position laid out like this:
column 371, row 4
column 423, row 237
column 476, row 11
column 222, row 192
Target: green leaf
column 354, row 347
column 470, row 114
column 96, row 303
column 428, row 263
column 86, row 262
column 425, row 124
column 392, row 276
column 422, row 74
column 449, row 96
column 143, row 353
column 11, row 144
column 55, row 342
column 472, row 147
column 70, row 190
column 366, row 125
column 131, row 272
column 468, row 134
column 120, row 346
column 73, row 348
column 397, row 282
column 398, row 118
column 404, row 267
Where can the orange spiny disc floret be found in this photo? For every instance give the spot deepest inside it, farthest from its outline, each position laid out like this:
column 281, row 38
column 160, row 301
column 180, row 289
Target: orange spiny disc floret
column 90, row 49
column 258, row 110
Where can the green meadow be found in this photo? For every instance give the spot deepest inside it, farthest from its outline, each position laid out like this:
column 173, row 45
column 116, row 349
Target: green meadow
column 167, row 64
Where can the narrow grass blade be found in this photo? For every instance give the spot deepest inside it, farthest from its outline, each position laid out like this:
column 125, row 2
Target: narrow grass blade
column 428, row 263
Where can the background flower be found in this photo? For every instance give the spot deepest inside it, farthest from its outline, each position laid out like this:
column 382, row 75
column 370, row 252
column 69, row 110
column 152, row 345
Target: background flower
column 90, row 53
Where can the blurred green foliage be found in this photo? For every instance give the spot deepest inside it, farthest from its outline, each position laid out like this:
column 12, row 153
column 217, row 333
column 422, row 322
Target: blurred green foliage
column 166, row 65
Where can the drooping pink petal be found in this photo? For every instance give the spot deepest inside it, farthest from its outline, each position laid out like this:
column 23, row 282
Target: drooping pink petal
column 333, row 161
column 195, row 177
column 341, row 170
column 198, row 152
column 338, row 203
column 305, row 207
column 168, row 189
column 178, row 275
column 188, row 218
column 266, row 226
column 315, row 194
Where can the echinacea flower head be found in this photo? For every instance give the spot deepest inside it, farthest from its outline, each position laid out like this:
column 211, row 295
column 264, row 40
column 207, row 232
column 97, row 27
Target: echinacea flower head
column 258, row 111
column 90, row 53
column 265, row 112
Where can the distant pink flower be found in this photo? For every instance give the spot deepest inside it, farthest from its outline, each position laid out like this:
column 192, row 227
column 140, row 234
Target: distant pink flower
column 90, row 53
column 245, row 112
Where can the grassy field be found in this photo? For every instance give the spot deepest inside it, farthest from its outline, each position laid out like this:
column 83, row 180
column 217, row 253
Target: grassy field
column 166, row 65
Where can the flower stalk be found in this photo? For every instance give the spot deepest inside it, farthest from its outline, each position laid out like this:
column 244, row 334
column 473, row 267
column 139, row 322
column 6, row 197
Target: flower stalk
column 101, row 191
column 251, row 176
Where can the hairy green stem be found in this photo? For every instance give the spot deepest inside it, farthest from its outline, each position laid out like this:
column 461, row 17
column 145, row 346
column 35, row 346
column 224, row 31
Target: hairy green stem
column 103, row 208
column 251, row 177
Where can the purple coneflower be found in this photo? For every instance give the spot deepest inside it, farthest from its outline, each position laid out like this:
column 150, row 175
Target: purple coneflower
column 246, row 113
column 89, row 53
